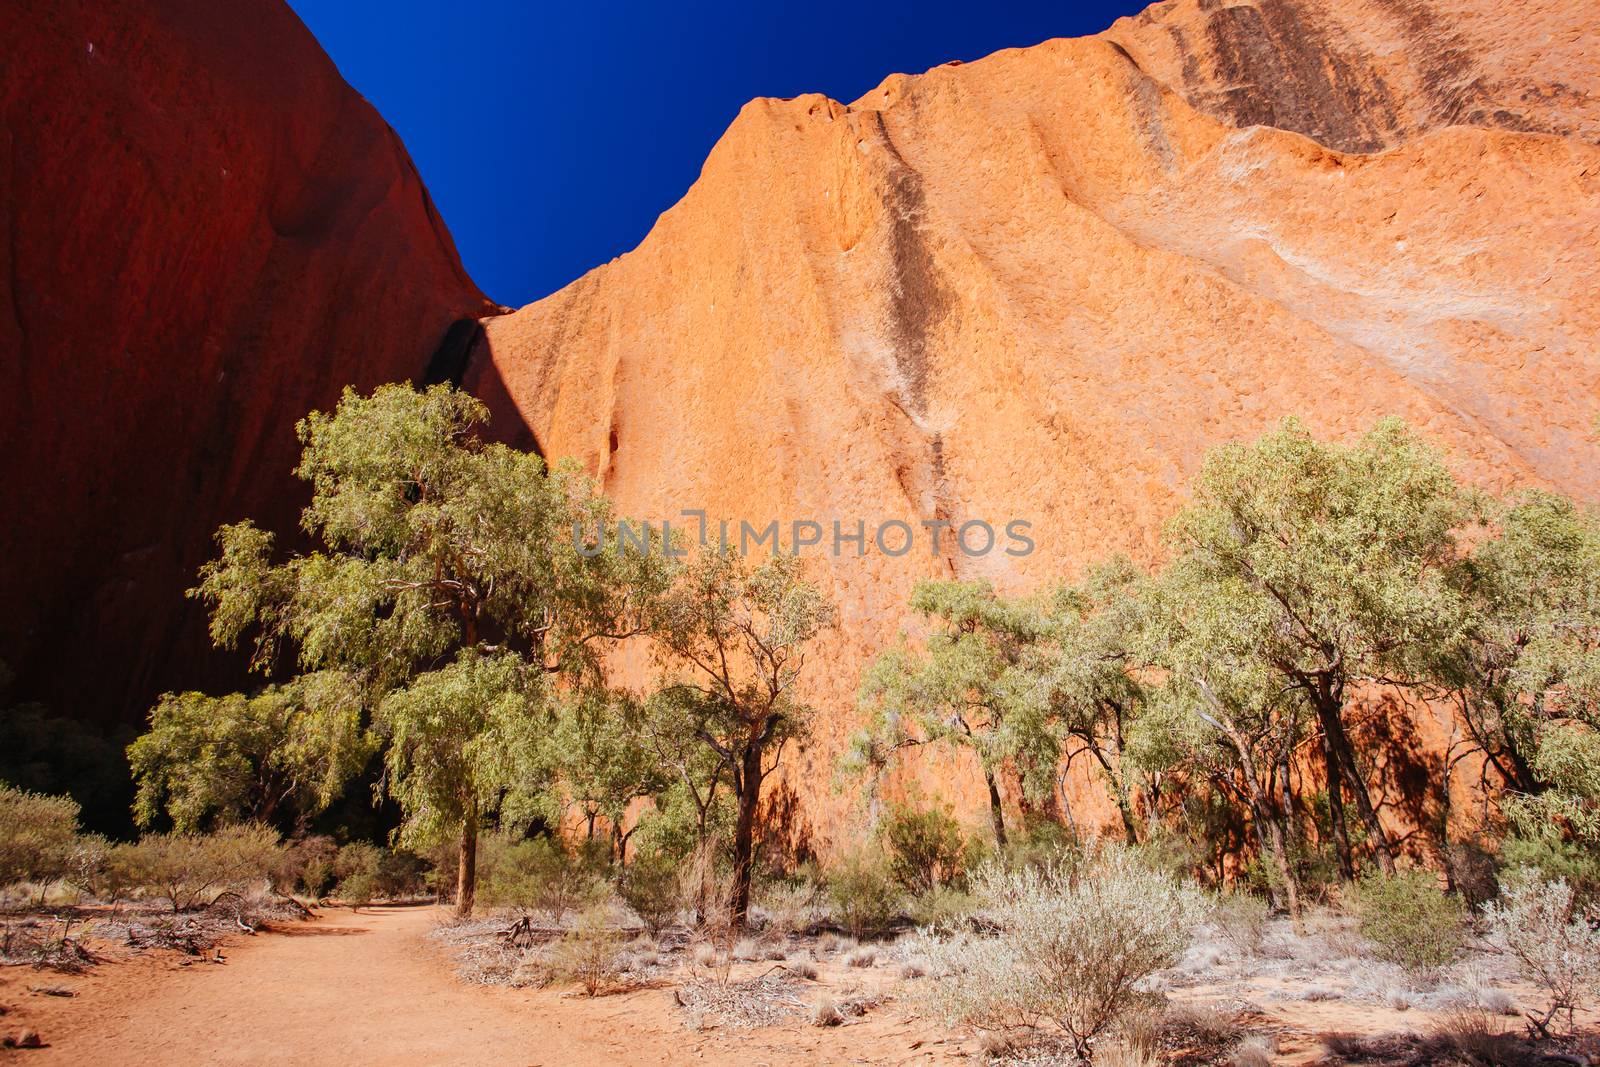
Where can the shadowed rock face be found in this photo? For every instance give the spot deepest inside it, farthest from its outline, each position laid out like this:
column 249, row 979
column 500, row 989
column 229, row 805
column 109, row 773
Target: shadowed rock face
column 1365, row 75
column 204, row 233
column 1040, row 285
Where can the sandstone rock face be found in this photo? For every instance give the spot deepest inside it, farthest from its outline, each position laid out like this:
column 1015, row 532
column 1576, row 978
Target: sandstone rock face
column 204, row 233
column 1040, row 285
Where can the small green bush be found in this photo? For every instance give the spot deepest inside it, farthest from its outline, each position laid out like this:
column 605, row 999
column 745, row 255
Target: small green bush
column 37, row 835
column 1553, row 857
column 943, row 908
column 862, row 892
column 186, row 869
column 793, row 902
column 539, row 875
column 1408, row 920
column 1040, row 843
column 650, row 887
column 925, row 847
column 306, row 866
column 356, row 867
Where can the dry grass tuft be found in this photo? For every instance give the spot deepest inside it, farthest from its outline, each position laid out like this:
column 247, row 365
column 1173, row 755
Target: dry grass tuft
column 824, row 1012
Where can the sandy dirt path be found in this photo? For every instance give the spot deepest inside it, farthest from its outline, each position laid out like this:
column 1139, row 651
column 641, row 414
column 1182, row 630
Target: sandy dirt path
column 370, row 988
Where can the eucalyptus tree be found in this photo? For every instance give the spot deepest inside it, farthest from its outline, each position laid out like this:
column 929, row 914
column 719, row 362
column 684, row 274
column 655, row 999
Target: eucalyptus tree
column 1220, row 712
column 1524, row 677
column 1337, row 563
column 248, row 758
column 448, row 583
column 600, row 757
column 1530, row 654
column 732, row 640
column 1091, row 674
column 974, row 686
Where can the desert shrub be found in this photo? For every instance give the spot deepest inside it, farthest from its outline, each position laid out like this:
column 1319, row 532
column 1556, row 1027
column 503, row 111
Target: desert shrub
column 1038, row 843
column 541, row 875
column 1071, row 944
column 37, row 835
column 590, row 954
column 1543, row 850
column 861, row 956
column 1241, row 918
column 86, row 865
column 824, row 1011
column 650, row 887
column 1173, row 850
column 1554, row 939
column 863, row 894
column 356, row 868
column 1408, row 920
column 306, row 865
column 925, row 847
column 401, row 873
column 942, row 908
column 188, row 868
column 792, row 903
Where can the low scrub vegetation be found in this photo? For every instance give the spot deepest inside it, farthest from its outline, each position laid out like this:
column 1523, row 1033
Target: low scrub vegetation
column 1410, row 920
column 1072, row 944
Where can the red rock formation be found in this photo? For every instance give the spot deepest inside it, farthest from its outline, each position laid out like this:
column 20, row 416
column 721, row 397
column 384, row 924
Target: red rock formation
column 1040, row 285
column 204, row 233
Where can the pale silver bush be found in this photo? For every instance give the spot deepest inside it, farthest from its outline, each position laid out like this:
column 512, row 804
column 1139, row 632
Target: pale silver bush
column 1555, row 942
column 1070, row 948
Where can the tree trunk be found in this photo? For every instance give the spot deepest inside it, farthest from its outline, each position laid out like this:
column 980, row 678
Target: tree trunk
column 1119, row 790
column 1280, row 859
column 1341, row 839
column 467, row 868
column 1268, row 826
column 744, row 834
column 1338, row 750
column 996, row 816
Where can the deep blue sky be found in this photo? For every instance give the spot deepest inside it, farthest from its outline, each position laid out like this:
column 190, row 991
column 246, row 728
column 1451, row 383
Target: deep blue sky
column 552, row 135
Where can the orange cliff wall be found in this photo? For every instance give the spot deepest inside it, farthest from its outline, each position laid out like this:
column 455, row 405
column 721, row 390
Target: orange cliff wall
column 1040, row 285
column 204, row 233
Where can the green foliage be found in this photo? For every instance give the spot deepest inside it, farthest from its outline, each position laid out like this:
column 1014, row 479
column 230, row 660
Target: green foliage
column 731, row 639
column 969, row 688
column 1089, row 667
column 541, row 875
column 925, row 847
column 356, row 867
column 1040, row 843
column 223, row 759
column 38, row 836
column 1552, row 856
column 863, row 894
column 307, row 866
column 1527, row 659
column 1302, row 570
column 448, row 585
column 189, row 870
column 458, row 738
column 652, row 888
column 1334, row 561
column 1408, row 920
column 942, row 908
column 600, row 758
